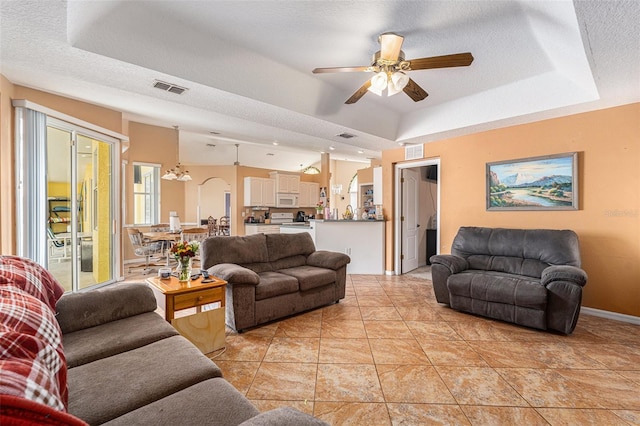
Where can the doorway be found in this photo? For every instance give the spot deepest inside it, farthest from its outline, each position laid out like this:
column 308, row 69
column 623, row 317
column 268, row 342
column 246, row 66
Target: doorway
column 417, row 207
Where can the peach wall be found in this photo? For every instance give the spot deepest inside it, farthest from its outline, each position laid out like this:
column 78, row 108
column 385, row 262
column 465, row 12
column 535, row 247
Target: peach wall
column 608, row 221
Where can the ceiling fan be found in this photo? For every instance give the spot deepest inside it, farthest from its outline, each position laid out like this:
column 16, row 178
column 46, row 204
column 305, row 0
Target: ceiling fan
column 390, row 67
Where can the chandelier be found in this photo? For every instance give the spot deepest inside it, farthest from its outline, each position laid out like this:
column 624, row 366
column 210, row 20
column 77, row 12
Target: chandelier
column 177, row 173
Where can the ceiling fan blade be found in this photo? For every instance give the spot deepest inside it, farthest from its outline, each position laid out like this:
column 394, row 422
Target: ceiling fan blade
column 390, row 45
column 359, row 93
column 341, row 69
column 445, row 61
column 414, row 91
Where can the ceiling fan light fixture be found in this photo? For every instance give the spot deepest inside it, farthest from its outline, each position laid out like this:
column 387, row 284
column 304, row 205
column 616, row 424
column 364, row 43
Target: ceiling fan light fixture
column 379, row 83
column 397, row 82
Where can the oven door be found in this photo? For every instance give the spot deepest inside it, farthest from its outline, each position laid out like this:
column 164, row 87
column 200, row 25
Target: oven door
column 286, row 200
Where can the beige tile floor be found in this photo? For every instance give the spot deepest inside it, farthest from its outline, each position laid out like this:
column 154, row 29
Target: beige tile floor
column 388, row 354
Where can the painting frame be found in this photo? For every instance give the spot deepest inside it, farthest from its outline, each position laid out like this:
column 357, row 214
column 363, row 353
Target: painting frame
column 548, row 182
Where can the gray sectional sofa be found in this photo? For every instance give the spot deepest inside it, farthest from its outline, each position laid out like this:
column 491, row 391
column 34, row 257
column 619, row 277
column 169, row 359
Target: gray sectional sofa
column 128, row 366
column 271, row 276
column 530, row 277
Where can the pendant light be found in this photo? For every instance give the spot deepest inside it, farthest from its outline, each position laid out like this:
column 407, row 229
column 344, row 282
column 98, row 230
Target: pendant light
column 177, row 173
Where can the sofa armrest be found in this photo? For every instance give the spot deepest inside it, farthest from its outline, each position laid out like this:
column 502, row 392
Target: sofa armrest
column 77, row 311
column 236, row 274
column 454, row 263
column 284, row 416
column 328, row 259
column 567, row 273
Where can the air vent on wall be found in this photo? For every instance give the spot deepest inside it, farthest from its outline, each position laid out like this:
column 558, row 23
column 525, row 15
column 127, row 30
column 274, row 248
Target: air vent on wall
column 168, row 87
column 346, row 135
column 413, row 152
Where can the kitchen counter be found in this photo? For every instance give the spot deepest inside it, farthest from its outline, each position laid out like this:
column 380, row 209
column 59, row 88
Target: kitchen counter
column 346, row 220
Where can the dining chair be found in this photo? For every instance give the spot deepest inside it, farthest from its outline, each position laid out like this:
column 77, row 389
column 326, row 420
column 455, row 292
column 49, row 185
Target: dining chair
column 150, row 250
column 224, row 226
column 160, row 227
column 212, row 226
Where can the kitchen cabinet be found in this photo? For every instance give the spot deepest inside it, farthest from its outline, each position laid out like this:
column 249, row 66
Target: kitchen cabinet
column 259, row 192
column 362, row 240
column 309, row 194
column 286, row 183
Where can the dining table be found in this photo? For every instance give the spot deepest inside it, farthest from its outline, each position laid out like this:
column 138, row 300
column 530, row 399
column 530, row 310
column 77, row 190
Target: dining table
column 170, row 238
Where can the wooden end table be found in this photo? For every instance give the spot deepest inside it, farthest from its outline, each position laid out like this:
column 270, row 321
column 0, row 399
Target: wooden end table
column 205, row 329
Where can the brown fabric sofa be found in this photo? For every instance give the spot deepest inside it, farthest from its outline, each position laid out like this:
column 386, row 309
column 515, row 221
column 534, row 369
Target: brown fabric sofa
column 128, row 366
column 530, row 277
column 105, row 357
column 271, row 276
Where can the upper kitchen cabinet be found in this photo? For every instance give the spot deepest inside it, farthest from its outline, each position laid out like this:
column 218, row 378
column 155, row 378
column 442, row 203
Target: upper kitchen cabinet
column 286, row 183
column 259, row 192
column 309, row 194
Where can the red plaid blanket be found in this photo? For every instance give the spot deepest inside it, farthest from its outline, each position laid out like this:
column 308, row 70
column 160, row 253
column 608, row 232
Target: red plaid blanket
column 32, row 362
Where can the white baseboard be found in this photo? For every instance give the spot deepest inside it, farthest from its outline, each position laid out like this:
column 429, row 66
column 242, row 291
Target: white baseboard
column 610, row 315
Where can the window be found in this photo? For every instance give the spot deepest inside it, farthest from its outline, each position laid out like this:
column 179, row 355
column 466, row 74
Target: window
column 146, row 194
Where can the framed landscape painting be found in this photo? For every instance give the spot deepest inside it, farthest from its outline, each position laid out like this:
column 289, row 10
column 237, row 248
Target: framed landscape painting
column 536, row 183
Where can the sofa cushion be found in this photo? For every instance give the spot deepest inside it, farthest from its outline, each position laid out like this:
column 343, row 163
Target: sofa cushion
column 275, row 284
column 89, row 344
column 110, row 387
column 289, row 262
column 241, row 250
column 310, row 276
column 76, row 311
column 499, row 287
column 210, row 402
column 287, row 245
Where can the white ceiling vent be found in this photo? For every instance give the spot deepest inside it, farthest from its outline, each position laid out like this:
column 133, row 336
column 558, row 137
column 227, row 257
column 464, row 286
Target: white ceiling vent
column 168, row 87
column 413, row 152
column 346, row 135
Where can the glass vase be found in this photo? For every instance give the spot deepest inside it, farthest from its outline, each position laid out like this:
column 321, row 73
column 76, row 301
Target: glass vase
column 184, row 269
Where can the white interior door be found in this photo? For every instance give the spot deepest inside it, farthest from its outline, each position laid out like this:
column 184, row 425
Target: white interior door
column 409, row 219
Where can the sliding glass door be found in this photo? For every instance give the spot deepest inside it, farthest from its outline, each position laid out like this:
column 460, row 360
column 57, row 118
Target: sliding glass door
column 65, row 199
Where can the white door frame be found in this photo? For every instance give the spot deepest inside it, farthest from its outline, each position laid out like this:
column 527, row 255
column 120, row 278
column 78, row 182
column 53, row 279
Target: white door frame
column 398, row 208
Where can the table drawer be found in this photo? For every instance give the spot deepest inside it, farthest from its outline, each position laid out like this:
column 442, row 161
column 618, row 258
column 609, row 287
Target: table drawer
column 197, row 298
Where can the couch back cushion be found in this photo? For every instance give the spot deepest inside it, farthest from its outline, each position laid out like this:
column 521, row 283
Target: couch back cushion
column 516, row 251
column 241, row 250
column 281, row 246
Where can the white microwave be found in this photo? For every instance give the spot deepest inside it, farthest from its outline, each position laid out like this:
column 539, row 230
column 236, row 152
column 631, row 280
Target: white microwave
column 286, row 200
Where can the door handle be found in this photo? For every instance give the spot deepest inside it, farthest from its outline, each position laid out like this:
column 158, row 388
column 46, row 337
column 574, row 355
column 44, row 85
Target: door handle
column 418, row 226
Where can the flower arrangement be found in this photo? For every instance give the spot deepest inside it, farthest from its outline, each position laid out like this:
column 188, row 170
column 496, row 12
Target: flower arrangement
column 183, row 253
column 184, row 250
column 319, row 207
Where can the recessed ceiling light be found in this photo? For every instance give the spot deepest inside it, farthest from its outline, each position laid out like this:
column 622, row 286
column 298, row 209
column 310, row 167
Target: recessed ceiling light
column 275, row 143
column 332, row 148
column 360, row 151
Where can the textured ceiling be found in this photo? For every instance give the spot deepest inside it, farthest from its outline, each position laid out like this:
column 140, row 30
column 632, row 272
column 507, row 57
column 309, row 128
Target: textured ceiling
column 247, row 66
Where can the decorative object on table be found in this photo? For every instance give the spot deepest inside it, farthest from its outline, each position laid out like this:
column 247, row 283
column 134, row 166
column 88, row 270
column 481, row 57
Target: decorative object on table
column 319, row 210
column 184, row 253
column 537, row 183
column 174, row 222
column 164, row 273
column 348, row 213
